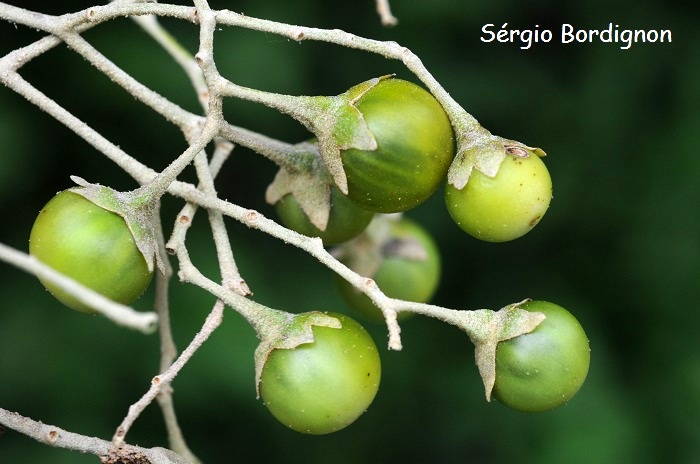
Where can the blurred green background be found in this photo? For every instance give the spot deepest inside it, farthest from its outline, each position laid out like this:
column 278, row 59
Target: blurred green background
column 619, row 247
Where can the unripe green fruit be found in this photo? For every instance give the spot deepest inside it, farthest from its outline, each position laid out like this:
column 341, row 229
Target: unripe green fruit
column 504, row 207
column 324, row 386
column 91, row 245
column 404, row 278
column 415, row 148
column 543, row 369
column 345, row 221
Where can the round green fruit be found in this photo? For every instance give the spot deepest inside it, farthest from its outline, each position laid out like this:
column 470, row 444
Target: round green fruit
column 504, row 207
column 401, row 276
column 324, row 386
column 91, row 245
column 543, row 369
column 345, row 221
column 415, row 148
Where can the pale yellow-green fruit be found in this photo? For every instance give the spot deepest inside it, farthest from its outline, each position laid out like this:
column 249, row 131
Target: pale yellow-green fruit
column 504, row 207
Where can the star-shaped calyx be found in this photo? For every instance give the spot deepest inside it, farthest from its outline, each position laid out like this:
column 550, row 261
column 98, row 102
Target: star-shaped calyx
column 288, row 333
column 137, row 212
column 310, row 188
column 343, row 127
column 478, row 149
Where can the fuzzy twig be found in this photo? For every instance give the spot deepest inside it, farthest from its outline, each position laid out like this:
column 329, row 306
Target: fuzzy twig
column 483, row 326
column 145, row 322
column 59, row 438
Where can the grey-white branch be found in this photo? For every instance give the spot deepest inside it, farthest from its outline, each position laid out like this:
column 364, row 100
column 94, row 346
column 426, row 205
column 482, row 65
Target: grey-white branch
column 199, row 130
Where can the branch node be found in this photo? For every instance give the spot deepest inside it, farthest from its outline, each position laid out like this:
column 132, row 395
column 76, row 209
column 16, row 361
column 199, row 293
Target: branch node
column 251, row 217
column 52, row 436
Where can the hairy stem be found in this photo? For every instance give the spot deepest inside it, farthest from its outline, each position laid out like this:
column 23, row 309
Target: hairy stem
column 119, row 314
column 483, row 326
column 163, row 380
column 168, row 352
column 384, row 11
column 59, row 438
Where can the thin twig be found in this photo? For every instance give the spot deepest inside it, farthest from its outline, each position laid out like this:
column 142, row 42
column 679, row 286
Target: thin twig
column 152, row 26
column 131, row 166
column 169, row 110
column 125, row 316
column 168, row 351
column 385, row 15
column 211, row 87
column 59, row 438
column 389, row 50
column 164, row 379
column 227, row 264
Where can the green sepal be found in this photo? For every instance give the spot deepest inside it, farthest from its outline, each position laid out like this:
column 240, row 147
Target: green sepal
column 312, row 194
column 287, row 334
column 486, row 328
column 138, row 215
column 504, row 324
column 343, row 128
column 478, row 149
column 309, row 187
